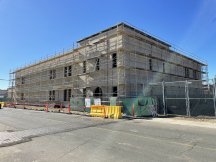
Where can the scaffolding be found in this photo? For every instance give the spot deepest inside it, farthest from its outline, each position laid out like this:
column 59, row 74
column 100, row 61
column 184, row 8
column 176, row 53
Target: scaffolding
column 116, row 60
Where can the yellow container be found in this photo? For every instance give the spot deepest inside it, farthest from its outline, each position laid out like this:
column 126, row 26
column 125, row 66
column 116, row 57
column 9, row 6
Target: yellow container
column 113, row 112
column 106, row 111
column 2, row 104
column 97, row 111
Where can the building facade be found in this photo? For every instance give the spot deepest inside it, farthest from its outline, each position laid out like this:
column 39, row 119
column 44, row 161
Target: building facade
column 119, row 61
column 3, row 95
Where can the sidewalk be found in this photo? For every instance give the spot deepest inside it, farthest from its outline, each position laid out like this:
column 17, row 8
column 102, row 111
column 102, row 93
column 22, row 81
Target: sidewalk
column 204, row 123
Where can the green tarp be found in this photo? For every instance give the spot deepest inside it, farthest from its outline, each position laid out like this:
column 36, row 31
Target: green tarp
column 78, row 104
column 113, row 101
column 139, row 106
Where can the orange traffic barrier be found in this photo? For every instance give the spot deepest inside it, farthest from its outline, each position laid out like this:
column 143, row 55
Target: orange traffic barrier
column 46, row 108
column 69, row 111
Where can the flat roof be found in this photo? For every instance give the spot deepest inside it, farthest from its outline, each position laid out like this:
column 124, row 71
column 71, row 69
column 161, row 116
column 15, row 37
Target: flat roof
column 130, row 27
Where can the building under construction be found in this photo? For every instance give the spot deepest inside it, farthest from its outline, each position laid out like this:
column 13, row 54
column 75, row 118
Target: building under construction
column 119, row 61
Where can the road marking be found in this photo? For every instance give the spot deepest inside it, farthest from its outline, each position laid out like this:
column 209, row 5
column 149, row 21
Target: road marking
column 157, row 139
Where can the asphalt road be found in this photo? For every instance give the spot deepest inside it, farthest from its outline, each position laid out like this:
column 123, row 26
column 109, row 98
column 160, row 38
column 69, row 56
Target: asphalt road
column 62, row 137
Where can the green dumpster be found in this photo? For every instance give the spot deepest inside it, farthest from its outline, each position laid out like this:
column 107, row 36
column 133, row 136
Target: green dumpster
column 140, row 106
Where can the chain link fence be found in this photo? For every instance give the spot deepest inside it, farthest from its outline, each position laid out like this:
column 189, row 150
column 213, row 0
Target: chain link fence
column 190, row 97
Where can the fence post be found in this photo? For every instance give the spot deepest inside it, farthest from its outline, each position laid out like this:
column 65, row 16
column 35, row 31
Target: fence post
column 133, row 110
column 187, row 99
column 214, row 97
column 164, row 101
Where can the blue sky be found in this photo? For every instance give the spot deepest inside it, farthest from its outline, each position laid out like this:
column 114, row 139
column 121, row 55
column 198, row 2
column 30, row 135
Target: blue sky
column 32, row 29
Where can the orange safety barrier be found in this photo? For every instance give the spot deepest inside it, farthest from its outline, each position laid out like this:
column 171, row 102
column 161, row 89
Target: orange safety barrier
column 46, row 108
